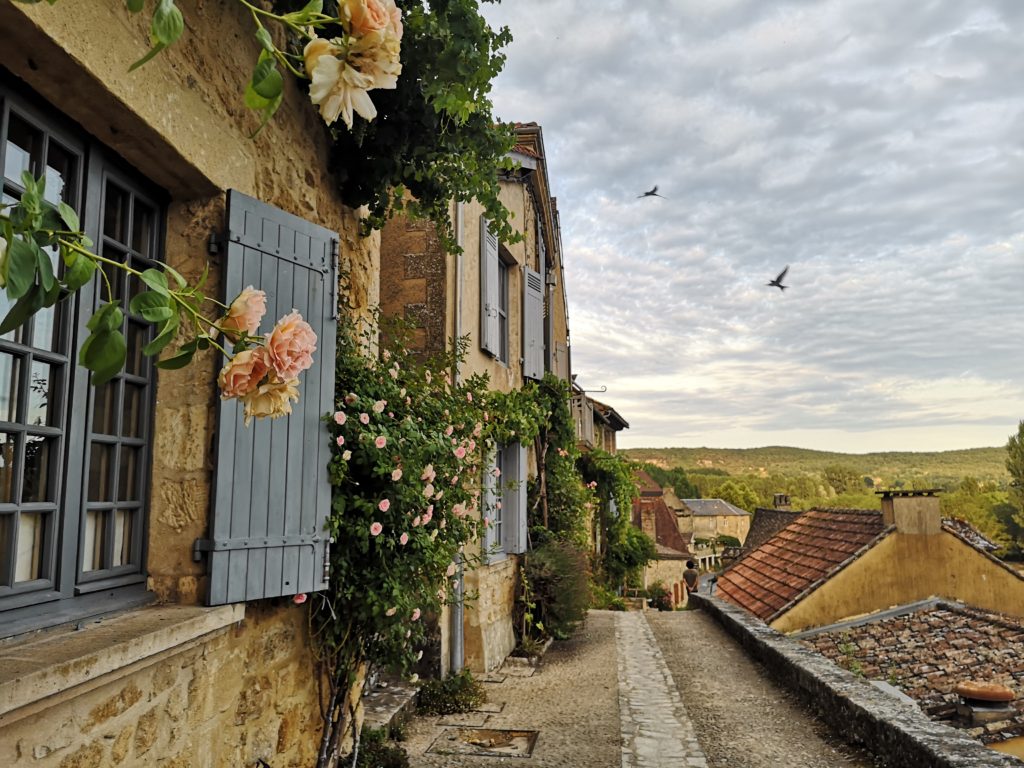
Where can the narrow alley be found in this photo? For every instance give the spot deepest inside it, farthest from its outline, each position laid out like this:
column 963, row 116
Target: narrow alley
column 671, row 688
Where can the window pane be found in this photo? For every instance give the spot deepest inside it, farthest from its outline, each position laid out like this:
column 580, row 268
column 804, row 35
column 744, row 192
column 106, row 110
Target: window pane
column 8, row 450
column 123, row 519
column 116, row 276
column 9, row 367
column 60, row 174
column 133, row 424
column 24, row 145
column 28, row 564
column 105, row 409
column 126, row 479
column 137, row 337
column 95, row 537
column 46, row 328
column 142, row 229
column 38, row 478
column 101, row 462
column 44, row 395
column 5, row 307
column 115, row 213
column 6, row 548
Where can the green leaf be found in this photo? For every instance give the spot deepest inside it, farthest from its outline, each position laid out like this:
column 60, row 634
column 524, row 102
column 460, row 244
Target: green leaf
column 21, row 268
column 168, row 23
column 179, row 359
column 264, row 37
column 135, row 5
column 68, row 214
column 165, row 337
column 78, row 273
column 103, row 353
column 155, row 280
column 313, row 7
column 23, row 309
column 266, row 80
column 46, row 277
column 152, row 306
column 107, row 318
column 182, row 283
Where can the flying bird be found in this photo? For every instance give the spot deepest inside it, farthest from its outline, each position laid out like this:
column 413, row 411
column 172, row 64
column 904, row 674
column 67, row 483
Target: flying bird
column 777, row 282
column 652, row 192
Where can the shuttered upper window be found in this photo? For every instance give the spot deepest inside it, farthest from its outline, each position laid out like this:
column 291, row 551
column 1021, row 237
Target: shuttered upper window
column 73, row 459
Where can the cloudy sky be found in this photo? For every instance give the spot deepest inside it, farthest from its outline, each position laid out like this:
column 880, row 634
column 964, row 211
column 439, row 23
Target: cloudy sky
column 875, row 147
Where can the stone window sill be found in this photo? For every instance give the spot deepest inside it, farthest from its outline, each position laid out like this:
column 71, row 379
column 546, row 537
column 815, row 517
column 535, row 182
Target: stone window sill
column 45, row 668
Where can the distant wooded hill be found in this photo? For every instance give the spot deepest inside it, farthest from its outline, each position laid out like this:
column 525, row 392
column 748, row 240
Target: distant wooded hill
column 943, row 468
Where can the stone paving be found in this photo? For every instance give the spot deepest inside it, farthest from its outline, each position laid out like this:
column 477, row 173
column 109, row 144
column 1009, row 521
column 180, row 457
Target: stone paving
column 656, row 732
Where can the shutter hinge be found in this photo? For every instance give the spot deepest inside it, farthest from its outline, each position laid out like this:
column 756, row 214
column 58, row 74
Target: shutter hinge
column 335, row 276
column 199, row 546
column 214, row 243
column 327, row 559
column 271, row 541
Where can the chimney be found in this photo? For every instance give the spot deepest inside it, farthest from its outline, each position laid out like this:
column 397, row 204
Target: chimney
column 913, row 512
column 647, row 524
column 781, row 501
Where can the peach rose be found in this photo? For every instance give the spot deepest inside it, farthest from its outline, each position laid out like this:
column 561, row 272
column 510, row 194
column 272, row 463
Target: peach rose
column 270, row 400
column 368, row 16
column 290, row 346
column 244, row 314
column 243, row 373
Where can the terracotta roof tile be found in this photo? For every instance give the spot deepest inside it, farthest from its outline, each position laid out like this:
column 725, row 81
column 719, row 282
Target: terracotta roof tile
column 522, row 149
column 646, row 484
column 807, row 551
column 665, row 526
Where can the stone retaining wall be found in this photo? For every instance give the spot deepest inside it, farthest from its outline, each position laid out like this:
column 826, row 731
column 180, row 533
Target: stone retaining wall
column 898, row 732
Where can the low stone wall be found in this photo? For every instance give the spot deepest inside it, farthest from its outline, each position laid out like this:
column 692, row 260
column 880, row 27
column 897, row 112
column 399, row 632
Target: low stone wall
column 897, row 732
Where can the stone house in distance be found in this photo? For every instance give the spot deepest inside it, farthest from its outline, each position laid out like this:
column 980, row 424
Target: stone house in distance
column 146, row 560
column 509, row 300
column 652, row 516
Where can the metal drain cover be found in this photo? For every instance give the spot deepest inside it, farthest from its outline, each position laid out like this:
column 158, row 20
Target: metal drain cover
column 484, row 742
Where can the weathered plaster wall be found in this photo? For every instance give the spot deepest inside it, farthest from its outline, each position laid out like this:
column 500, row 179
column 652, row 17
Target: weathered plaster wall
column 240, row 694
column 903, row 568
column 668, row 572
column 489, row 637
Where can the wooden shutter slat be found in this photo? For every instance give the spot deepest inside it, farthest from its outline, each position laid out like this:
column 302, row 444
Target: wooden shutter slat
column 272, row 495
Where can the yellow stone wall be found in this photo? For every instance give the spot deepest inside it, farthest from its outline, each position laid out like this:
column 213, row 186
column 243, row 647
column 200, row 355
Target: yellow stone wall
column 240, row 694
column 669, row 573
column 904, row 568
column 488, row 633
column 181, row 122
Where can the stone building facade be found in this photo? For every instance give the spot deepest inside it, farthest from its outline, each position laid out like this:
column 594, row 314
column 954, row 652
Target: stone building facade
column 508, row 299
column 136, row 669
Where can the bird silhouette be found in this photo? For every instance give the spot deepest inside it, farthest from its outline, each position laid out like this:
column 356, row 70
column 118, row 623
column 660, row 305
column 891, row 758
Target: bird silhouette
column 652, row 192
column 777, row 282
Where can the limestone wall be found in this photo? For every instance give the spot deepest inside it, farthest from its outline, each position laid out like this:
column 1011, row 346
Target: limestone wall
column 489, row 636
column 239, row 694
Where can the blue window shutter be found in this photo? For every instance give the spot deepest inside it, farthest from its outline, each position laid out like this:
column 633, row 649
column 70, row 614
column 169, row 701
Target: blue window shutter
column 489, row 266
column 514, row 499
column 271, row 491
column 533, row 325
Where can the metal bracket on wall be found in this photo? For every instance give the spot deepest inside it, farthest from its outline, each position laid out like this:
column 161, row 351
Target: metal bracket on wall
column 256, row 542
column 215, row 243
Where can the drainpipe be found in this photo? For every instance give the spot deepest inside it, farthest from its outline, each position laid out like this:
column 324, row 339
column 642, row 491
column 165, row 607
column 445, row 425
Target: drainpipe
column 456, row 647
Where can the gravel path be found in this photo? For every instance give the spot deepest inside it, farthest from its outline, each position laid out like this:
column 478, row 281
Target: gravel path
column 572, row 700
column 742, row 719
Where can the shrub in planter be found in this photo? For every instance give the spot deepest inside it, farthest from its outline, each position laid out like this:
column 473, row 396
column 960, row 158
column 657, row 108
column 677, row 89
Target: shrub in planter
column 559, row 578
column 659, row 597
column 456, row 693
column 376, row 750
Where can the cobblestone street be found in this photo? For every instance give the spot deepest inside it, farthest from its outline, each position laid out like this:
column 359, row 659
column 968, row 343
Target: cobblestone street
column 642, row 690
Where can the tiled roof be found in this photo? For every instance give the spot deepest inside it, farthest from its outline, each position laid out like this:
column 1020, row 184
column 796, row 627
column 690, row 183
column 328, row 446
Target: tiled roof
column 766, row 523
column 964, row 530
column 803, row 554
column 665, row 526
column 713, row 507
column 928, row 651
column 646, row 483
column 609, row 414
column 522, row 149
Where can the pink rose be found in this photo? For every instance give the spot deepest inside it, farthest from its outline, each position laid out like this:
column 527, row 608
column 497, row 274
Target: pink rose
column 416, row 521
column 455, row 479
column 415, row 614
column 300, row 599
column 460, row 452
column 469, row 397
column 428, row 516
column 396, row 475
column 487, row 522
column 368, row 16
column 375, row 529
column 472, row 445
column 381, row 441
column 244, row 315
column 448, row 430
column 364, row 418
column 403, row 539
column 341, row 440
column 451, row 570
column 340, row 418
column 428, row 490
column 290, row 346
column 428, row 473
column 243, row 372
column 384, row 505
column 350, row 398
column 378, row 407
column 496, row 472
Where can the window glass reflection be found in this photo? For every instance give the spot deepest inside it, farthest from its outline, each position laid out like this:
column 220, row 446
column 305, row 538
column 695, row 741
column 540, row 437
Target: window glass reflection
column 122, row 554
column 38, row 481
column 10, row 367
column 23, row 147
column 101, row 461
column 43, row 395
column 28, row 563
column 94, row 535
column 8, row 452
